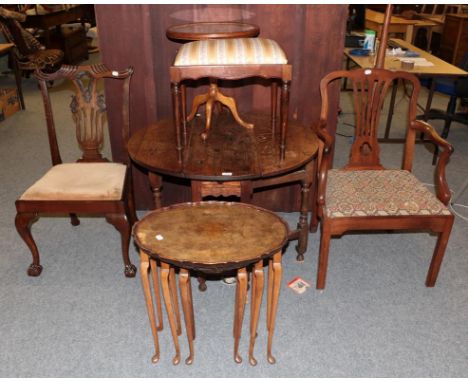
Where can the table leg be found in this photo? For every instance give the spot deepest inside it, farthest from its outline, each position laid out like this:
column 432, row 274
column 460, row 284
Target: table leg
column 144, row 269
column 241, row 294
column 175, row 302
column 165, row 272
column 157, row 292
column 302, row 225
column 156, row 188
column 257, row 293
column 276, row 268
column 187, row 305
column 183, row 91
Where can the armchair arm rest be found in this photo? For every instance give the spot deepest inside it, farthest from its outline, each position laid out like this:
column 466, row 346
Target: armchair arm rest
column 442, row 188
column 327, row 145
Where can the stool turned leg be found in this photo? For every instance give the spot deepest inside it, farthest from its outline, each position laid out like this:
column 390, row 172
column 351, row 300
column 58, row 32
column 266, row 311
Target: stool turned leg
column 175, row 301
column 257, row 293
column 277, row 274
column 165, row 271
column 274, row 107
column 284, row 115
column 144, row 268
column 241, row 294
column 157, row 292
column 185, row 292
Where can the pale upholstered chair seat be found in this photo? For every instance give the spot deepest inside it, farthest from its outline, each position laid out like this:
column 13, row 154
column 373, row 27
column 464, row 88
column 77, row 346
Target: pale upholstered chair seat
column 232, row 51
column 379, row 193
column 79, row 181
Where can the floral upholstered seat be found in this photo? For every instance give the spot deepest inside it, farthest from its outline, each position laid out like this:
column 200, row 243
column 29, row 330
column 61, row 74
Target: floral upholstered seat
column 379, row 193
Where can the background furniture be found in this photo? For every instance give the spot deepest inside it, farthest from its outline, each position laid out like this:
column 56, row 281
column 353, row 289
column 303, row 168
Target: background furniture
column 28, row 54
column 455, row 88
column 91, row 186
column 454, row 43
column 366, row 196
column 237, row 159
column 129, row 31
column 213, row 237
column 211, row 30
column 8, row 49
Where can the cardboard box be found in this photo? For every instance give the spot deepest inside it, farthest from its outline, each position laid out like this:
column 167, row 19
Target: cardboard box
column 9, row 102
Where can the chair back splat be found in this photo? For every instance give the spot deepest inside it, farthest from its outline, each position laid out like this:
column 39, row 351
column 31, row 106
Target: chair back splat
column 87, row 106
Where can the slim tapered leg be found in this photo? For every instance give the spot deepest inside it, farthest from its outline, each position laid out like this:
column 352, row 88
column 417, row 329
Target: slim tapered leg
column 241, row 294
column 144, row 269
column 175, row 301
column 277, row 275
column 274, row 107
column 165, row 270
column 270, row 292
column 157, row 292
column 185, row 291
column 438, row 255
column 257, row 293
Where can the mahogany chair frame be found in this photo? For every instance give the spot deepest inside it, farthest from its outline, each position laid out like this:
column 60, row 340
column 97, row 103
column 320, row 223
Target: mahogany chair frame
column 365, row 156
column 120, row 213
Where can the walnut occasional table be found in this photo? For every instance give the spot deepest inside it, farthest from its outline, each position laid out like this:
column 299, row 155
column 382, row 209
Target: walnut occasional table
column 214, row 237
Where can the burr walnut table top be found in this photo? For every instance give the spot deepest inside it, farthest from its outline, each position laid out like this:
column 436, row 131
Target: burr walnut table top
column 213, row 236
column 231, row 152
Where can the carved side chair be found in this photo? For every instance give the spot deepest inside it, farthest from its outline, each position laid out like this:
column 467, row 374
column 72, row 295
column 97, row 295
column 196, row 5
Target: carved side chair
column 366, row 196
column 92, row 185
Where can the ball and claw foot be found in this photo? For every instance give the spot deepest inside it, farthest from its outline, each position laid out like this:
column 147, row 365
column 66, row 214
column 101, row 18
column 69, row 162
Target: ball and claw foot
column 271, row 359
column 237, row 358
column 130, row 270
column 252, row 361
column 34, row 270
column 176, row 360
column 155, row 358
column 189, row 360
column 300, row 257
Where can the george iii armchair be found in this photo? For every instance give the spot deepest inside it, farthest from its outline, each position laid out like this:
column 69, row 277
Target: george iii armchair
column 92, row 185
column 366, row 196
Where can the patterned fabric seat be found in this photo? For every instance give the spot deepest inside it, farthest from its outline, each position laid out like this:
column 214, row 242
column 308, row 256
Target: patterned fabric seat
column 233, row 51
column 379, row 193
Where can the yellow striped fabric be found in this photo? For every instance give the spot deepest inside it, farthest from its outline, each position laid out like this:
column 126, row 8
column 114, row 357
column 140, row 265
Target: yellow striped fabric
column 231, row 51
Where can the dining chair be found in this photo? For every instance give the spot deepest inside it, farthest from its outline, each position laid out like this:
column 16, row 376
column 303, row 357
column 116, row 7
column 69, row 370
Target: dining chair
column 366, row 196
column 92, row 185
column 29, row 54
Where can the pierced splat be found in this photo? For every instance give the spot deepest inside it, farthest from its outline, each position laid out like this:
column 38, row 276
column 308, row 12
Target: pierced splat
column 89, row 114
column 369, row 91
column 87, row 106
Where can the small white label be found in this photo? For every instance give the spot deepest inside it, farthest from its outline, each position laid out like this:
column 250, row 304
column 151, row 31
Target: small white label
column 159, row 237
column 368, row 72
column 115, row 73
column 226, row 173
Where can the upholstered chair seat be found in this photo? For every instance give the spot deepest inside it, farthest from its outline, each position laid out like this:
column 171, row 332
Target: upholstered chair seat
column 379, row 193
column 79, row 181
column 231, row 51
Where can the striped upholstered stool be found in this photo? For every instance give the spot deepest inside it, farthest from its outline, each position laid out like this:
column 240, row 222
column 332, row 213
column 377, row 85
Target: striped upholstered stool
column 229, row 59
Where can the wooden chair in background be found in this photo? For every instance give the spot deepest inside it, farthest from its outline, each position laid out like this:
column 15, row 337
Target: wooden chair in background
column 92, row 185
column 364, row 195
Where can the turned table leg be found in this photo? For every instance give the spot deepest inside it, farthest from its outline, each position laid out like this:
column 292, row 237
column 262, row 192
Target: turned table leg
column 144, row 269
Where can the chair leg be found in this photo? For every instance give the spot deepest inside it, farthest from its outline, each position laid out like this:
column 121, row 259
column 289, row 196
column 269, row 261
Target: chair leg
column 23, row 223
column 438, row 255
column 121, row 224
column 323, row 255
column 74, row 220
